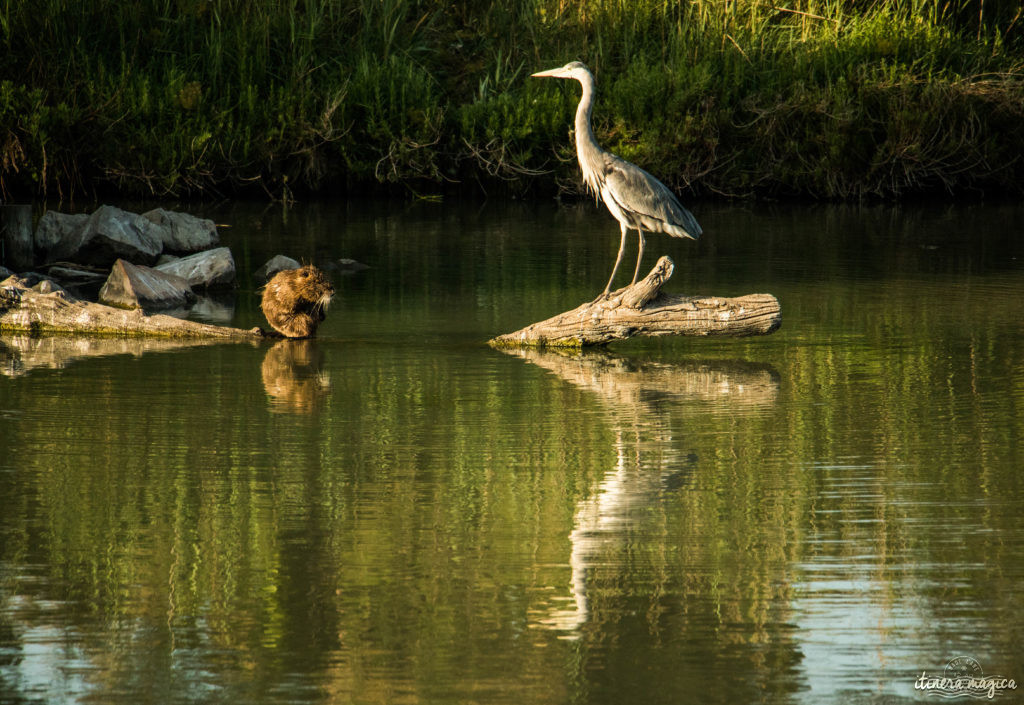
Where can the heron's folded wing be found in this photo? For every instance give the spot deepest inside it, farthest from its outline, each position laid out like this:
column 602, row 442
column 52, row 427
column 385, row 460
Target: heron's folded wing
column 648, row 200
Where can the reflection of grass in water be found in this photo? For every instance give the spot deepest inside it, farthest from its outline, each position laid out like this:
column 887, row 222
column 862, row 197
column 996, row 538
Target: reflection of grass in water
column 820, row 98
column 422, row 513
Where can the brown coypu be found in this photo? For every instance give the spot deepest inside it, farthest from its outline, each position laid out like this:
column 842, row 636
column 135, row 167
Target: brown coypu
column 295, row 301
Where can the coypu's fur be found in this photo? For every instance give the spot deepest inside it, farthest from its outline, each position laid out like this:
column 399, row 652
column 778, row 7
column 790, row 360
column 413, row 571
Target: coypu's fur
column 295, row 301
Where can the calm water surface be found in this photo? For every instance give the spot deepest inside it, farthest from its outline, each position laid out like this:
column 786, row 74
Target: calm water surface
column 396, row 513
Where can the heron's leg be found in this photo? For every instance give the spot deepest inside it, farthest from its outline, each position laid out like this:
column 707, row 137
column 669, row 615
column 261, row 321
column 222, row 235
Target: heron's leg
column 618, row 259
column 639, row 256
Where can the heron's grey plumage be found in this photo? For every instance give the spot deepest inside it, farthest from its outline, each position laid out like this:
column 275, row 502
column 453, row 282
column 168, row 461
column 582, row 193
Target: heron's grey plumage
column 637, row 200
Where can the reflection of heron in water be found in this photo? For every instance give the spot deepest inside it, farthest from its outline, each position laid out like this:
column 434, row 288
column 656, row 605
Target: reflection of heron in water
column 637, row 200
column 650, row 466
column 623, row 499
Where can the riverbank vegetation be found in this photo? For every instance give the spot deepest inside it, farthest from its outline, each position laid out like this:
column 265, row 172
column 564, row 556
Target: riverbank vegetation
column 808, row 98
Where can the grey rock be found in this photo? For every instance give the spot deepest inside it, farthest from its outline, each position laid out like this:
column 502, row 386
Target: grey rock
column 277, row 263
column 183, row 232
column 135, row 286
column 206, row 270
column 59, row 235
column 16, row 236
column 345, row 266
column 111, row 234
column 165, row 258
column 48, row 286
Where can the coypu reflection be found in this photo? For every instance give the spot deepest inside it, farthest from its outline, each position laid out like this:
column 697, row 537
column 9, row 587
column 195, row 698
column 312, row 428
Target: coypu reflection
column 650, row 465
column 292, row 376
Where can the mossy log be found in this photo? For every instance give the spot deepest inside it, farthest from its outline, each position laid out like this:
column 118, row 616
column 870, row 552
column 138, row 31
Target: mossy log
column 642, row 309
column 44, row 308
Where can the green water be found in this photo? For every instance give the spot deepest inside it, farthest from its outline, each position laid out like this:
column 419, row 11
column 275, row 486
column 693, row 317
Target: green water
column 396, row 513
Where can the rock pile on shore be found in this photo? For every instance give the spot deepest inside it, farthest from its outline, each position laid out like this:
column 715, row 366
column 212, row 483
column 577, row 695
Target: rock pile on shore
column 154, row 260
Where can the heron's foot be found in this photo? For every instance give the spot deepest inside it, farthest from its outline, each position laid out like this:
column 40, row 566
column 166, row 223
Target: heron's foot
column 603, row 296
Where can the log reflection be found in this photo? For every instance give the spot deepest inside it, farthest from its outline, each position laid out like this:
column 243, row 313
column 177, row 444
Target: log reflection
column 650, row 460
column 628, row 386
column 20, row 353
column 293, row 376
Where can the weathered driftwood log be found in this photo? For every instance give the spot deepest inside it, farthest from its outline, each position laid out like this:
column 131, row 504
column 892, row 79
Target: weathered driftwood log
column 643, row 310
column 44, row 308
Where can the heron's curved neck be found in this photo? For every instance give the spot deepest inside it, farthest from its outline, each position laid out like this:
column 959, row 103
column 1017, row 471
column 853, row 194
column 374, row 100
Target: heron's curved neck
column 587, row 148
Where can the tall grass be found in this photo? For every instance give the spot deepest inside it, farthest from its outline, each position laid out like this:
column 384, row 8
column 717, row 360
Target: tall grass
column 280, row 97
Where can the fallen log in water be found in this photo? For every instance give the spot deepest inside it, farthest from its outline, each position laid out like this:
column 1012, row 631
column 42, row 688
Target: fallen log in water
column 46, row 308
column 643, row 310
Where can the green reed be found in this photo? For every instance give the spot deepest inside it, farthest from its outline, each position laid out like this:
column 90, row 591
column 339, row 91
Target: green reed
column 810, row 98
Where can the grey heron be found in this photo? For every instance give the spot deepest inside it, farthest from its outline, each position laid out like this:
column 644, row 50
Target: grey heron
column 637, row 200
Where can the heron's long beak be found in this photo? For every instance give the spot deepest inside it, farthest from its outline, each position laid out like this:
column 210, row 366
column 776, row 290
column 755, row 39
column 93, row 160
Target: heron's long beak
column 550, row 73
